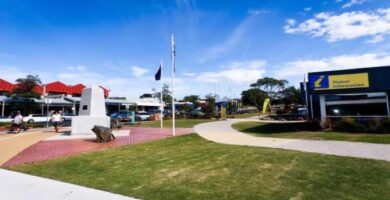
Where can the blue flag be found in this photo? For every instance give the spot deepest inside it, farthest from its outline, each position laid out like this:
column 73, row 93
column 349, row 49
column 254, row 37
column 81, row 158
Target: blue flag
column 158, row 74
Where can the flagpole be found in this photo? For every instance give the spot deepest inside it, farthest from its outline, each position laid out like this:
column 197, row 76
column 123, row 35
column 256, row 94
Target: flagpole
column 173, row 84
column 161, row 94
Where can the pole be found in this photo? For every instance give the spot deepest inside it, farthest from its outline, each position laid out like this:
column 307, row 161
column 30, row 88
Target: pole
column 43, row 103
column 161, row 94
column 2, row 109
column 173, row 84
column 311, row 107
column 306, row 96
column 47, row 114
column 387, row 103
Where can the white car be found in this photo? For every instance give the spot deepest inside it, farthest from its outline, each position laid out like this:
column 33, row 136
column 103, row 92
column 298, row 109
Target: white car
column 67, row 116
column 142, row 115
column 6, row 120
column 32, row 118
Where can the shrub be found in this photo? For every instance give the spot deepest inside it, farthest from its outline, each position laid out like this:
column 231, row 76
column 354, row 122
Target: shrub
column 379, row 125
column 349, row 124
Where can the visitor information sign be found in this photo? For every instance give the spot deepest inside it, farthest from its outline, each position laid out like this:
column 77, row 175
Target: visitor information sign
column 337, row 82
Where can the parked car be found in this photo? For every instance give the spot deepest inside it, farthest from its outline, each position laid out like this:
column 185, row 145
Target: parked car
column 32, row 118
column 142, row 116
column 196, row 113
column 6, row 119
column 67, row 116
column 123, row 115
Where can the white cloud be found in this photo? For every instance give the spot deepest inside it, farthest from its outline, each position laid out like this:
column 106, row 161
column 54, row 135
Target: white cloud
column 257, row 11
column 12, row 73
column 307, row 9
column 236, row 72
column 375, row 39
column 189, row 74
column 301, row 67
column 353, row 2
column 235, row 38
column 138, row 71
column 79, row 74
column 346, row 26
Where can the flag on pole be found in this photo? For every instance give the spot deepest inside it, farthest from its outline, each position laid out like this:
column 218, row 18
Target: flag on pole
column 157, row 76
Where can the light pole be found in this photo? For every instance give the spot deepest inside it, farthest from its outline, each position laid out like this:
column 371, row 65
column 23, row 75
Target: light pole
column 44, row 94
column 45, row 101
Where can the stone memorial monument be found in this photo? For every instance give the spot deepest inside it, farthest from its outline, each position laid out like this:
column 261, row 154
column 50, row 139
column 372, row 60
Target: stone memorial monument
column 92, row 112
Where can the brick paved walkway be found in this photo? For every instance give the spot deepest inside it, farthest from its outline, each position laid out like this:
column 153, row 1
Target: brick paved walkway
column 47, row 150
column 12, row 144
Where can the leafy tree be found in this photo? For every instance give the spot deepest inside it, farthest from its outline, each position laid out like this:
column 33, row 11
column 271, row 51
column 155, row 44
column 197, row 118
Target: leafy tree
column 167, row 94
column 270, row 86
column 27, row 87
column 191, row 98
column 22, row 95
column 291, row 95
column 146, row 95
column 210, row 104
column 253, row 97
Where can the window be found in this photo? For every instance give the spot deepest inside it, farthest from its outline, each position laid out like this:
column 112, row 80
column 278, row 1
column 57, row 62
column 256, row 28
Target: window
column 366, row 104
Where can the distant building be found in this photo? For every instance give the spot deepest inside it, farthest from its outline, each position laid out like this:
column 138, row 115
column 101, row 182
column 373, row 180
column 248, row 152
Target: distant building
column 52, row 88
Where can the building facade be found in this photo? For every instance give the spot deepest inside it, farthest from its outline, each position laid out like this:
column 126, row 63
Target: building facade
column 357, row 93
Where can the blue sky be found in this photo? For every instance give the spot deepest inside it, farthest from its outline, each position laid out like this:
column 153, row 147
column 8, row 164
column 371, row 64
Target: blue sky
column 222, row 45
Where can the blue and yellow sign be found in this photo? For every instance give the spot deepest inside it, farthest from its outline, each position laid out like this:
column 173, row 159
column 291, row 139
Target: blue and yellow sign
column 337, row 82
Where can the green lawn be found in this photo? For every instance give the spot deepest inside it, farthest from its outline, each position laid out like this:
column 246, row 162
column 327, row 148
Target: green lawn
column 298, row 130
column 180, row 123
column 189, row 167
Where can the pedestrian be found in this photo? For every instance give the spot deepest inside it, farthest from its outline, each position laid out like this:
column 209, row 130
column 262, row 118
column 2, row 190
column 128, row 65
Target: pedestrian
column 56, row 119
column 17, row 122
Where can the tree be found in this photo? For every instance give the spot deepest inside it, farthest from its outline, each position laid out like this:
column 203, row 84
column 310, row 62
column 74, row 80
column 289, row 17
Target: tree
column 167, row 94
column 270, row 86
column 27, row 87
column 24, row 93
column 291, row 95
column 210, row 104
column 146, row 95
column 191, row 98
column 253, row 97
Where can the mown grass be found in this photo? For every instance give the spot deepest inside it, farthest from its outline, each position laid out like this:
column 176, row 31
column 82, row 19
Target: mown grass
column 180, row 123
column 189, row 167
column 301, row 131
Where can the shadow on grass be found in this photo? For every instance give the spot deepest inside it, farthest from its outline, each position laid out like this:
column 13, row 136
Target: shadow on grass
column 282, row 128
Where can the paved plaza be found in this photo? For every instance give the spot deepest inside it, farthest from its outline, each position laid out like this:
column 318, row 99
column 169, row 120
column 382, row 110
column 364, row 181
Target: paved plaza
column 37, row 146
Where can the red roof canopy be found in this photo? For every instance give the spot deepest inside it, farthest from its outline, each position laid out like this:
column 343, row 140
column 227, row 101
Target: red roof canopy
column 105, row 91
column 76, row 89
column 57, row 87
column 6, row 86
column 53, row 87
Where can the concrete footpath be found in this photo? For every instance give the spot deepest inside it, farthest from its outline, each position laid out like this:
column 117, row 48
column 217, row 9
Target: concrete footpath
column 18, row 186
column 222, row 132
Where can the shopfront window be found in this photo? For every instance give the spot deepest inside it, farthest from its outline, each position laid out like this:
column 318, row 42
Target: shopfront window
column 367, row 104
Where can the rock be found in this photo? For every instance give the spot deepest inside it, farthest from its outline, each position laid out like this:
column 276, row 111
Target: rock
column 103, row 134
